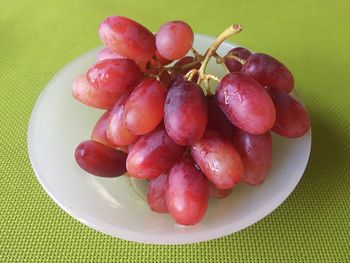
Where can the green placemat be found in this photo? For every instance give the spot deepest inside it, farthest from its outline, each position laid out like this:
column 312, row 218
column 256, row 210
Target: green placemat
column 37, row 38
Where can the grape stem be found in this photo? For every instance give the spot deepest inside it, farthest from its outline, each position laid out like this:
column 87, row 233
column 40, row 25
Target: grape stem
column 221, row 61
column 238, row 59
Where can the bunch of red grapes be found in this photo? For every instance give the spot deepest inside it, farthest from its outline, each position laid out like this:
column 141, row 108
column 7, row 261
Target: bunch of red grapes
column 162, row 126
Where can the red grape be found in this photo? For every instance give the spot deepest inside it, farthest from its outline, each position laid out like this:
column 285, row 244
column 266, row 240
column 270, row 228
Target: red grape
column 99, row 133
column 174, row 39
column 106, row 53
column 144, row 109
column 115, row 75
column 218, row 160
column 268, row 71
column 218, row 193
column 232, row 64
column 161, row 60
column 292, row 119
column 187, row 194
column 153, row 154
column 85, row 93
column 156, row 193
column 246, row 103
column 181, row 64
column 256, row 154
column 165, row 78
column 128, row 38
column 185, row 112
column 100, row 160
column 117, row 132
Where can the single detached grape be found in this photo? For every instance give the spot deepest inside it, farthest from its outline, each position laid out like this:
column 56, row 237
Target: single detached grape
column 144, row 109
column 218, row 159
column 100, row 160
column 174, row 39
column 127, row 38
column 256, row 154
column 185, row 112
column 268, row 71
column 106, row 53
column 156, row 198
column 218, row 193
column 96, row 98
column 232, row 64
column 117, row 132
column 115, row 75
column 246, row 103
column 153, row 154
column 292, row 119
column 187, row 194
column 99, row 133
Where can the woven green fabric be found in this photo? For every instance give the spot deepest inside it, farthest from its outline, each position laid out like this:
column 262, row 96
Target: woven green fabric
column 37, row 38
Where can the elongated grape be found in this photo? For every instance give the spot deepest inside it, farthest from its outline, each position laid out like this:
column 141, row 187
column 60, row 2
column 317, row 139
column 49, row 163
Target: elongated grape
column 115, row 75
column 156, row 193
column 100, row 160
column 256, row 154
column 232, row 64
column 268, row 71
column 174, row 39
column 96, row 98
column 292, row 119
column 127, row 38
column 117, row 132
column 153, row 154
column 187, row 194
column 106, row 53
column 246, row 103
column 218, row 159
column 218, row 193
column 99, row 133
column 185, row 112
column 144, row 109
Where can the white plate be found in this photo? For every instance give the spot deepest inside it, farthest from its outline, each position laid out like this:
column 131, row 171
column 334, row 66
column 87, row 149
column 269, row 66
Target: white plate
column 59, row 123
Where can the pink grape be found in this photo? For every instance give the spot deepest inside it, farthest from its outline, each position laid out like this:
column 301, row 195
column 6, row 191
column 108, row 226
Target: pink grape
column 187, row 194
column 256, row 154
column 161, row 60
column 218, row 193
column 144, row 109
column 292, row 119
column 246, row 103
column 100, row 160
column 268, row 71
column 115, row 75
column 156, row 193
column 153, row 154
column 96, row 98
column 99, row 133
column 218, row 159
column 127, row 38
column 174, row 39
column 185, row 112
column 117, row 132
column 106, row 53
column 232, row 64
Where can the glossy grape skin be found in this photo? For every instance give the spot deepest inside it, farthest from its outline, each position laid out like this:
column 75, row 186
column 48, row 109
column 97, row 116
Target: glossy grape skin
column 233, row 65
column 185, row 112
column 292, row 119
column 106, row 53
column 127, row 38
column 144, row 109
column 117, row 132
column 218, row 121
column 96, row 98
column 153, row 154
column 187, row 193
column 218, row 159
column 99, row 133
column 174, row 39
column 100, row 160
column 156, row 194
column 218, row 193
column 114, row 75
column 246, row 103
column 268, row 71
column 256, row 154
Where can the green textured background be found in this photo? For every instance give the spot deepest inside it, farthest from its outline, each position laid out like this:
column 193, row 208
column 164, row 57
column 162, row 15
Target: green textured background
column 37, row 38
